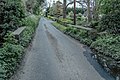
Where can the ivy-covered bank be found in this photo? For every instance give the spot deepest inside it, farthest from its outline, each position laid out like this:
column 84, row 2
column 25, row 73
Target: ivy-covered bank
column 12, row 17
column 106, row 47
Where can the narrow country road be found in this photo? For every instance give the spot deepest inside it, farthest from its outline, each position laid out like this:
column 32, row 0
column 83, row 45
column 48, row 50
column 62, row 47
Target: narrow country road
column 55, row 56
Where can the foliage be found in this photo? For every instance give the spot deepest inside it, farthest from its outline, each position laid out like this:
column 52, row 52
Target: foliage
column 110, row 23
column 111, row 19
column 10, row 56
column 79, row 34
column 94, row 24
column 36, row 9
column 110, row 6
column 11, row 15
column 12, row 51
column 70, row 16
column 65, row 21
column 33, row 6
column 52, row 18
column 108, row 45
column 81, row 20
column 40, row 1
column 31, row 24
column 79, row 16
column 78, row 10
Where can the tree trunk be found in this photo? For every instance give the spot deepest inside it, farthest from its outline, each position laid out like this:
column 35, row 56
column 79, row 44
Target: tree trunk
column 95, row 10
column 88, row 11
column 74, row 12
column 64, row 8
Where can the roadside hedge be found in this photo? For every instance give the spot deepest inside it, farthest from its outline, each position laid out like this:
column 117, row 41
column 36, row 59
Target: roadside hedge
column 11, row 15
column 31, row 25
column 12, row 51
column 110, row 23
column 108, row 45
column 107, row 49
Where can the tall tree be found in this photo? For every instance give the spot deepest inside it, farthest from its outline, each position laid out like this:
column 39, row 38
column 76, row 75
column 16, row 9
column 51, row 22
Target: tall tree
column 74, row 12
column 95, row 9
column 88, row 3
column 111, row 19
column 64, row 8
column 88, row 10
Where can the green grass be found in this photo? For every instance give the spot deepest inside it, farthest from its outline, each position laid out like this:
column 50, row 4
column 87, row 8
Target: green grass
column 59, row 26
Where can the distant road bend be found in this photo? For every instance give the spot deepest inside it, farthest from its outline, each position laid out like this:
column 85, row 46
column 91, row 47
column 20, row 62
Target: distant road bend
column 55, row 56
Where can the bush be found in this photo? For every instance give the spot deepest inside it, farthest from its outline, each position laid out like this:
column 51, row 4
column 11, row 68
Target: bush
column 11, row 15
column 64, row 21
column 111, row 20
column 52, row 18
column 110, row 23
column 94, row 24
column 81, row 20
column 11, row 52
column 108, row 45
column 31, row 24
column 10, row 56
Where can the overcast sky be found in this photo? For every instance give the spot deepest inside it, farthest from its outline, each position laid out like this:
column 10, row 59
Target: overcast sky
column 51, row 2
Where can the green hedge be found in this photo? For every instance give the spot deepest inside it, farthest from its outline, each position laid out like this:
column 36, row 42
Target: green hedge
column 107, row 49
column 12, row 51
column 110, row 23
column 31, row 24
column 108, row 45
column 11, row 15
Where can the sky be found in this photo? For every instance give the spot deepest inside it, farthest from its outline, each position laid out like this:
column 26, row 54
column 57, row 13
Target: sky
column 51, row 2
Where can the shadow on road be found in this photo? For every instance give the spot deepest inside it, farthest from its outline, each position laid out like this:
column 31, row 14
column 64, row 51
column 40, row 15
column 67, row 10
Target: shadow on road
column 96, row 65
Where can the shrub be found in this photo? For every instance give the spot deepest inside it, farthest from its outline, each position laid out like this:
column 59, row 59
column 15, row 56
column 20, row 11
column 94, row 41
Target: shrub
column 11, row 15
column 94, row 24
column 31, row 24
column 81, row 20
column 64, row 21
column 111, row 23
column 11, row 52
column 52, row 18
column 108, row 45
column 111, row 20
column 10, row 56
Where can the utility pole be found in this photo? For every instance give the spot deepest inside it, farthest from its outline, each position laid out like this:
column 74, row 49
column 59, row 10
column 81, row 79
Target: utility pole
column 74, row 12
